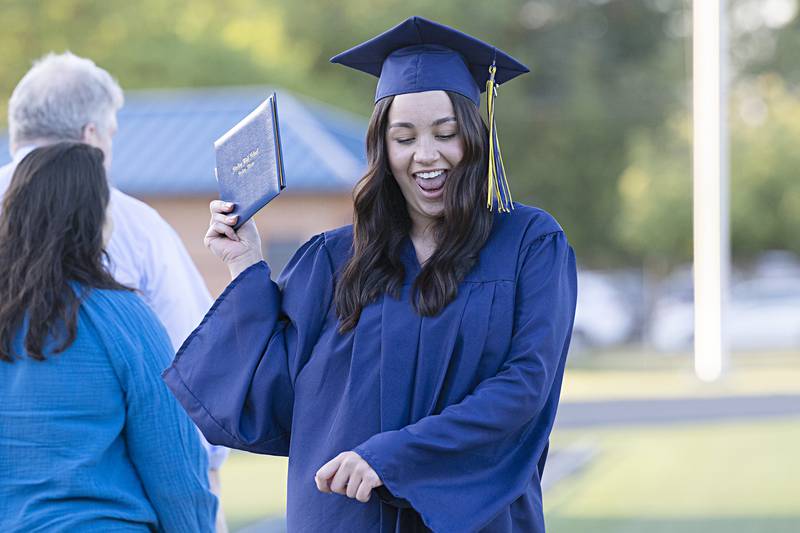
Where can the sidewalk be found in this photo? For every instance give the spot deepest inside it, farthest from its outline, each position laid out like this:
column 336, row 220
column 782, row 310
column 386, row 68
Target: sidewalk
column 674, row 410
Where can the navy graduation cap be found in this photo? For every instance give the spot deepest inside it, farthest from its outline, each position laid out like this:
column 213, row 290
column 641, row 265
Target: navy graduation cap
column 420, row 55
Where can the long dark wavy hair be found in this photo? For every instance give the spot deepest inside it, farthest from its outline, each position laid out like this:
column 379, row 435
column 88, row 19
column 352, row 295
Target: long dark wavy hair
column 51, row 245
column 381, row 222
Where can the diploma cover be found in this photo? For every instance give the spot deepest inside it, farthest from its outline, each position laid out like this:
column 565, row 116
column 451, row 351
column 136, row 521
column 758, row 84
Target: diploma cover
column 249, row 167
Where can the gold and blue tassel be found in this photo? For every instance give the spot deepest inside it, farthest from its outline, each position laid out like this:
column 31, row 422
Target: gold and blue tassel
column 498, row 190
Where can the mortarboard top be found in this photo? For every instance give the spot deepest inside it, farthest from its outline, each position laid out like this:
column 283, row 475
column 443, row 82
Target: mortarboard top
column 421, row 55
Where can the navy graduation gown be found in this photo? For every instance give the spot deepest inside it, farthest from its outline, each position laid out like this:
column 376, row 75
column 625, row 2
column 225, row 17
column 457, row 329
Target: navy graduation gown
column 453, row 412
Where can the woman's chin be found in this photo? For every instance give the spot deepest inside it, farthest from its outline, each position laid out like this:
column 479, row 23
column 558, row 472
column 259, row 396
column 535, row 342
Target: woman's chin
column 432, row 209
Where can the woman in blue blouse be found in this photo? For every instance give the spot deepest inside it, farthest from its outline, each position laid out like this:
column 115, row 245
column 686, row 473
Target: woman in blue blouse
column 409, row 365
column 90, row 438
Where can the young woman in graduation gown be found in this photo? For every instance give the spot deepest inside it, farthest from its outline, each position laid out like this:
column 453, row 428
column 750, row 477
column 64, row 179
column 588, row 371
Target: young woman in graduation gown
column 409, row 365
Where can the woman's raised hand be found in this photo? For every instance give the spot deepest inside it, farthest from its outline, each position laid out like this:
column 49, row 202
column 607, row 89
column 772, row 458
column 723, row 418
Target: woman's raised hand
column 349, row 475
column 237, row 249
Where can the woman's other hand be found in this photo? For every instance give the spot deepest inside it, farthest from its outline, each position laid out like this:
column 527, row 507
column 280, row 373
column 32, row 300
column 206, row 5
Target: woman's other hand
column 349, row 475
column 237, row 249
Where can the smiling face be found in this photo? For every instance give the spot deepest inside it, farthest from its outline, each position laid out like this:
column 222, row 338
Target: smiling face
column 423, row 145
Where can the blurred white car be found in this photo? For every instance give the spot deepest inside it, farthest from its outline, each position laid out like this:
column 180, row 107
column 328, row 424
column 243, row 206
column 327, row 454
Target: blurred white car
column 602, row 317
column 764, row 313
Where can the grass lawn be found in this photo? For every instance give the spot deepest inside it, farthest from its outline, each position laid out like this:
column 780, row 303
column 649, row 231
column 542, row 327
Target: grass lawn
column 253, row 487
column 709, row 478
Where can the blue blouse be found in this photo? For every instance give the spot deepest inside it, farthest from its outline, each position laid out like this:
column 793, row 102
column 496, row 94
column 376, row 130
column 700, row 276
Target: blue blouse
column 452, row 411
column 92, row 440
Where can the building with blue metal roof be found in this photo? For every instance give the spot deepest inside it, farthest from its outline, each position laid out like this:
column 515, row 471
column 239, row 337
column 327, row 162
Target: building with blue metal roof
column 164, row 145
column 164, row 155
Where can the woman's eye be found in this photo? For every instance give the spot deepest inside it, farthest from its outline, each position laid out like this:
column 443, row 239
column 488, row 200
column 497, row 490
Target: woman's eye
column 405, row 141
column 445, row 137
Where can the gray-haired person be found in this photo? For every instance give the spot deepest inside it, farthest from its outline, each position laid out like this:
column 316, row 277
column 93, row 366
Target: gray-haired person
column 67, row 97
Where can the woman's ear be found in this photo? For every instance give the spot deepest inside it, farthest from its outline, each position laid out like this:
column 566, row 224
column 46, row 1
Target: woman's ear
column 89, row 133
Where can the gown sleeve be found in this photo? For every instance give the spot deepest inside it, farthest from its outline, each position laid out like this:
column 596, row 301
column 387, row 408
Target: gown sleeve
column 460, row 468
column 234, row 374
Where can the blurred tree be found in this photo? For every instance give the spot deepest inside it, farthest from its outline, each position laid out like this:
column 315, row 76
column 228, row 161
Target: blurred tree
column 655, row 188
column 656, row 195
column 765, row 162
column 602, row 69
column 156, row 43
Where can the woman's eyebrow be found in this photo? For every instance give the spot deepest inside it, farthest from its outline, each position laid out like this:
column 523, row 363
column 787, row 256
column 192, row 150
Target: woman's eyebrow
column 436, row 122
column 443, row 120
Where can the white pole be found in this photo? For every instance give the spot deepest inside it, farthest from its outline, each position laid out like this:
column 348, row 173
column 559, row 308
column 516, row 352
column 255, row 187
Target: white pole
column 711, row 177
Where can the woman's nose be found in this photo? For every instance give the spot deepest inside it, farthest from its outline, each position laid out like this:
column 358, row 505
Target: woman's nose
column 426, row 153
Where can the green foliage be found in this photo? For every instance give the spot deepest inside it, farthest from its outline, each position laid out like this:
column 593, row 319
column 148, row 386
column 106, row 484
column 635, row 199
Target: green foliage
column 585, row 136
column 765, row 189
column 656, row 187
column 152, row 43
column 655, row 192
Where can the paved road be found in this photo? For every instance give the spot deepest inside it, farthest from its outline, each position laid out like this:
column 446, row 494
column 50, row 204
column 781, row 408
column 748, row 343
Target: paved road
column 676, row 410
column 270, row 525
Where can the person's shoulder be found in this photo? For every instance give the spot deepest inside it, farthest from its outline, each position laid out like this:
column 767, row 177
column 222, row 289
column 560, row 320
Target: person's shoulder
column 131, row 334
column 140, row 233
column 126, row 208
column 116, row 303
column 119, row 312
column 124, row 320
column 333, row 245
column 513, row 234
column 530, row 221
column 339, row 243
column 129, row 203
column 339, row 236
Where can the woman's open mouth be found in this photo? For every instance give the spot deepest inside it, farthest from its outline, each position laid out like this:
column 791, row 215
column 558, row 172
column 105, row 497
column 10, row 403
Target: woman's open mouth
column 431, row 183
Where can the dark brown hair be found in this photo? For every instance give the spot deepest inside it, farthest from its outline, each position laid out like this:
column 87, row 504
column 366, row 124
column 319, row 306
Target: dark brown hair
column 51, row 245
column 381, row 223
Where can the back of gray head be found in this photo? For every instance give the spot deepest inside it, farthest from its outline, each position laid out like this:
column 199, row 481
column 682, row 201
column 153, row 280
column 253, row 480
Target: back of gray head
column 60, row 95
